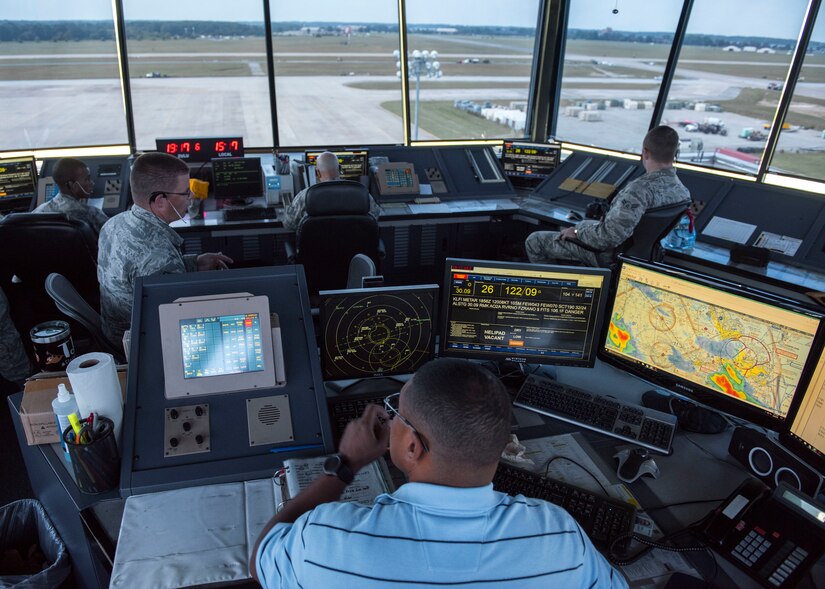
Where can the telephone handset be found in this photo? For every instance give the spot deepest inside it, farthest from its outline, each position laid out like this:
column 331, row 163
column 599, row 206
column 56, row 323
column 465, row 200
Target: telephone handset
column 774, row 537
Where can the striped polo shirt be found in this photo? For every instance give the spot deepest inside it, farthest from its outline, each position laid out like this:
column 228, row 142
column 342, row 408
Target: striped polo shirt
column 434, row 536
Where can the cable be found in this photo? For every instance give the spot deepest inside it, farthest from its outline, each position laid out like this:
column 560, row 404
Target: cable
column 650, row 544
column 549, row 462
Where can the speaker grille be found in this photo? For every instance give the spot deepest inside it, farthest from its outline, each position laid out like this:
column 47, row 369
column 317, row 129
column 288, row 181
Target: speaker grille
column 269, row 415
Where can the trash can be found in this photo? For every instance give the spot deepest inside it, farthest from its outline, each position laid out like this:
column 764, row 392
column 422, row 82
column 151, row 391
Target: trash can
column 32, row 554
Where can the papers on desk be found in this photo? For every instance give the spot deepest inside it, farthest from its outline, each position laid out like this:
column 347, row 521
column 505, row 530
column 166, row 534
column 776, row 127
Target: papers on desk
column 433, row 208
column 369, row 483
column 778, row 243
column 729, row 230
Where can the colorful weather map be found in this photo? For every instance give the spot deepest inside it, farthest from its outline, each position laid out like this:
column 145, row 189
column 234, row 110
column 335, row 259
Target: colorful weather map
column 750, row 358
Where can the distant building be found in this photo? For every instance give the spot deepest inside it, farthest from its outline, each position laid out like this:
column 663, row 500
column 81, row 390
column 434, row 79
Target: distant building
column 766, row 50
column 749, row 49
column 732, row 48
column 446, row 30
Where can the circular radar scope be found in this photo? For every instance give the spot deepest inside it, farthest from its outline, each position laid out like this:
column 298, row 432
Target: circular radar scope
column 376, row 334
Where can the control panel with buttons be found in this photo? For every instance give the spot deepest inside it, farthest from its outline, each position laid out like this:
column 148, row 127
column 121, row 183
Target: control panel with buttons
column 186, row 430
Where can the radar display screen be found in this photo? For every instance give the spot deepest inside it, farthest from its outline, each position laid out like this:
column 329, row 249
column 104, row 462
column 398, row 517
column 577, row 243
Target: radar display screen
column 377, row 331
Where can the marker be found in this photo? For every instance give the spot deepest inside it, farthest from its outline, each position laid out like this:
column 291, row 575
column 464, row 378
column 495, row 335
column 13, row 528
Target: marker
column 75, row 425
column 291, row 448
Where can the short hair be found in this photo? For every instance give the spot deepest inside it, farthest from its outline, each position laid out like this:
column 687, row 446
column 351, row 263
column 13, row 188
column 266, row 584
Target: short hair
column 464, row 409
column 662, row 142
column 65, row 170
column 152, row 172
column 327, row 163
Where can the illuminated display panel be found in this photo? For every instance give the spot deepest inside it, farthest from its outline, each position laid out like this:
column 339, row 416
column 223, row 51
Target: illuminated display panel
column 352, row 164
column 18, row 181
column 736, row 350
column 377, row 331
column 220, row 345
column 529, row 163
column 522, row 312
column 808, row 425
column 237, row 177
column 201, row 149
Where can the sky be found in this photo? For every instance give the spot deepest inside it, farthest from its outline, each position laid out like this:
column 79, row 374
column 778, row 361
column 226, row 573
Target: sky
column 769, row 18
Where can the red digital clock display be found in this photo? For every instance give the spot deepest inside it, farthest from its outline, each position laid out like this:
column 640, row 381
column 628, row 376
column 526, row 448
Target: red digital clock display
column 201, row 149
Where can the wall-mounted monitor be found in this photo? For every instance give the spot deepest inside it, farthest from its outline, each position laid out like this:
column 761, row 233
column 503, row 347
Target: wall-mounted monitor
column 527, row 313
column 18, row 183
column 369, row 332
column 734, row 349
column 527, row 164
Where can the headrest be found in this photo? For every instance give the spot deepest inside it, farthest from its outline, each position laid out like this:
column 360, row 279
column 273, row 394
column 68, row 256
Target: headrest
column 337, row 197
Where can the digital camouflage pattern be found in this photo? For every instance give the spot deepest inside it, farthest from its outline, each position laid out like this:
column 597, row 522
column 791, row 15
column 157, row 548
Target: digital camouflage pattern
column 74, row 209
column 132, row 244
column 14, row 364
column 654, row 189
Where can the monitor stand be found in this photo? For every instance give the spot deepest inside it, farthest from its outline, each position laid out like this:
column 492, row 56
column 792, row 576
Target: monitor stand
column 237, row 202
column 369, row 386
column 691, row 417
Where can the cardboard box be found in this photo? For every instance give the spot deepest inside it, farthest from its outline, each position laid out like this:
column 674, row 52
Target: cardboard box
column 36, row 414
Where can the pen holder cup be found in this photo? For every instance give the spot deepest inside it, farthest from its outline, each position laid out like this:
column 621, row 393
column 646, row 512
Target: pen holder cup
column 96, row 463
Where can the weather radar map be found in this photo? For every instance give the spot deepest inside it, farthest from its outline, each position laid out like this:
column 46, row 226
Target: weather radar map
column 374, row 332
column 714, row 339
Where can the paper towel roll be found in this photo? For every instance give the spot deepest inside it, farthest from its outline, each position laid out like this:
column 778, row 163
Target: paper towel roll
column 96, row 388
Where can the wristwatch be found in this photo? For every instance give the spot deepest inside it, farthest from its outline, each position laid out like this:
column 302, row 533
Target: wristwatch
column 334, row 466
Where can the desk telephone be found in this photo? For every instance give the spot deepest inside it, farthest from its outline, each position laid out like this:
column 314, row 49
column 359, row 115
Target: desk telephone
column 775, row 537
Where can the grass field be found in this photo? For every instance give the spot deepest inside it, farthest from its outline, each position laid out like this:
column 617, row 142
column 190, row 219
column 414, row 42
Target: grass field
column 445, row 121
column 761, row 104
column 810, row 165
column 446, row 84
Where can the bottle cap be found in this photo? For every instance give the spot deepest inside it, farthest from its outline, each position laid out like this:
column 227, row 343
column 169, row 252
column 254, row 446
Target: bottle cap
column 63, row 393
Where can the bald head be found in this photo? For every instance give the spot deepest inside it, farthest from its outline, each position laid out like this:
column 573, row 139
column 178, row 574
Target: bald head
column 326, row 167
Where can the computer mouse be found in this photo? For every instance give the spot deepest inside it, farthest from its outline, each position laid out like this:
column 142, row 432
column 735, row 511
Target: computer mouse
column 634, row 463
column 574, row 216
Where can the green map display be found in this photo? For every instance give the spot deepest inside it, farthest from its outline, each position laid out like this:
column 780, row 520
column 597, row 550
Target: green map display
column 754, row 360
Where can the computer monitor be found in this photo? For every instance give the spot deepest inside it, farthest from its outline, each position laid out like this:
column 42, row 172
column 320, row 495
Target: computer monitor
column 729, row 347
column 18, row 183
column 527, row 313
column 237, row 177
column 368, row 332
column 353, row 164
column 805, row 434
column 527, row 164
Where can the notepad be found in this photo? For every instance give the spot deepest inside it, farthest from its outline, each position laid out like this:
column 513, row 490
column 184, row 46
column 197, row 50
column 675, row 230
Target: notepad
column 298, row 473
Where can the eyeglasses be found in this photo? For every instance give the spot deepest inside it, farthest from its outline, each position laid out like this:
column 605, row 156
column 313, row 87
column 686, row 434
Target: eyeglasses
column 166, row 194
column 391, row 402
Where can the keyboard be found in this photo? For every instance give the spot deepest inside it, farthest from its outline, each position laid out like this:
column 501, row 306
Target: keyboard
column 633, row 423
column 602, row 519
column 345, row 408
column 252, row 213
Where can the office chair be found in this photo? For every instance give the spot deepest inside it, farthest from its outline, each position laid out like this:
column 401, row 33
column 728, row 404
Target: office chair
column 70, row 303
column 34, row 245
column 337, row 226
column 643, row 243
column 361, row 267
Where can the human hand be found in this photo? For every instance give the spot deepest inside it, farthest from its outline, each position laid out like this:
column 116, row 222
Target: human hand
column 568, row 233
column 211, row 261
column 365, row 438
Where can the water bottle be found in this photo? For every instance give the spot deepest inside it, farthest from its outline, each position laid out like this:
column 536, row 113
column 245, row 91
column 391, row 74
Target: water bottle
column 683, row 237
column 64, row 405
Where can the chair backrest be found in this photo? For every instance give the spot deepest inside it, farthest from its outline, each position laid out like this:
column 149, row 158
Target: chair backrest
column 34, row 245
column 654, row 225
column 336, row 227
column 360, row 267
column 70, row 303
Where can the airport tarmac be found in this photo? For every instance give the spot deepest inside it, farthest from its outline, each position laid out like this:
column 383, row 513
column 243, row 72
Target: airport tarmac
column 318, row 110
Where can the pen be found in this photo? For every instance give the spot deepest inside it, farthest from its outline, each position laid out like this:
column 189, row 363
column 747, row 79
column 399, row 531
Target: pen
column 291, row 448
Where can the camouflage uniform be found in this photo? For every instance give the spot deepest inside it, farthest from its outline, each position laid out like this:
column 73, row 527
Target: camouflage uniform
column 14, row 364
column 74, row 209
column 295, row 212
column 654, row 189
column 132, row 244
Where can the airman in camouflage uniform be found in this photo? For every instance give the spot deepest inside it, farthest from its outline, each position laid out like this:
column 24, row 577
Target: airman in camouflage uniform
column 14, row 364
column 139, row 242
column 75, row 183
column 326, row 169
column 658, row 187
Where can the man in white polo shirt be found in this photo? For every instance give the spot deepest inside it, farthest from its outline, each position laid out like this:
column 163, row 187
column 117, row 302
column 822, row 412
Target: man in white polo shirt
column 445, row 527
